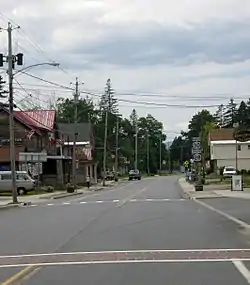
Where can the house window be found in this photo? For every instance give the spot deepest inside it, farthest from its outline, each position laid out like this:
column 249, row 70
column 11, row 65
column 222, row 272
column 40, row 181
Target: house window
column 239, row 147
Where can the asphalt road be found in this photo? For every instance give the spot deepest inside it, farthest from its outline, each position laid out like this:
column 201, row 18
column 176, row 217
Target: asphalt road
column 137, row 233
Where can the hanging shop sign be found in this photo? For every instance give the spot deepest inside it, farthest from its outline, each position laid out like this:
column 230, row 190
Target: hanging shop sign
column 242, row 134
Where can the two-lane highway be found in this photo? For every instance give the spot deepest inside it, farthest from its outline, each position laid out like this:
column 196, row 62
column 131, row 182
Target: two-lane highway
column 140, row 233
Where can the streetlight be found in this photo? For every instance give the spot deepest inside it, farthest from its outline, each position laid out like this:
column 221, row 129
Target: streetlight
column 55, row 64
column 11, row 116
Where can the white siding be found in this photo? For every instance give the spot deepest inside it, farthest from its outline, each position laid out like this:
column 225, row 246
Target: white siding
column 225, row 155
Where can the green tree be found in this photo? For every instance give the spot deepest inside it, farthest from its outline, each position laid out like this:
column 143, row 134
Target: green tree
column 230, row 114
column 151, row 128
column 85, row 110
column 198, row 121
column 219, row 116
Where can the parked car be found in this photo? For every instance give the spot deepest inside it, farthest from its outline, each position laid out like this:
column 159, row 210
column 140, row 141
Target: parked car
column 24, row 182
column 229, row 171
column 134, row 174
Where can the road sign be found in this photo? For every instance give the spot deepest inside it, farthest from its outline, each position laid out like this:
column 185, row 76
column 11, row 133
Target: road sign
column 196, row 149
column 197, row 157
column 196, row 145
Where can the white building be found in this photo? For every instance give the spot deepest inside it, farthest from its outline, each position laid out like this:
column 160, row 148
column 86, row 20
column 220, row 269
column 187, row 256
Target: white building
column 230, row 153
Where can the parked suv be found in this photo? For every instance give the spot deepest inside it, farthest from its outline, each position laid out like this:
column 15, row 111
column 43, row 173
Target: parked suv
column 229, row 171
column 134, row 174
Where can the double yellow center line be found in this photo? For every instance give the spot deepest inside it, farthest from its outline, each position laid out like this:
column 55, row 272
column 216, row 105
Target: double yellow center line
column 22, row 276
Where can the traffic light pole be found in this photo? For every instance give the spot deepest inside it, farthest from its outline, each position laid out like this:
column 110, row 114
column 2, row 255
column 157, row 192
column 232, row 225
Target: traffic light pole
column 11, row 117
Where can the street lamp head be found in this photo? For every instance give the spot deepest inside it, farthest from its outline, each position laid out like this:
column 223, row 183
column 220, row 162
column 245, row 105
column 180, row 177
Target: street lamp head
column 56, row 64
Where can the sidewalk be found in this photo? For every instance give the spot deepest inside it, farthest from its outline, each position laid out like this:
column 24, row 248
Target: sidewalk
column 211, row 191
column 6, row 201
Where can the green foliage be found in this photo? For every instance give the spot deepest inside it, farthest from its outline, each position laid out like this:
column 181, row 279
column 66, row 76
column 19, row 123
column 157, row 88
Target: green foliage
column 95, row 114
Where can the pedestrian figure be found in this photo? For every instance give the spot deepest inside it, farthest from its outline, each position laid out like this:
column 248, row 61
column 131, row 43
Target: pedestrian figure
column 88, row 181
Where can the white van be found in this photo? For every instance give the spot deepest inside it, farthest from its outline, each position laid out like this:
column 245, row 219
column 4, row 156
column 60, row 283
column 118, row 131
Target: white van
column 24, row 182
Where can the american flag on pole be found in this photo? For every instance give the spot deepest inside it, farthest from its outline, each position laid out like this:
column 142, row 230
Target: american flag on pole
column 30, row 134
column 88, row 153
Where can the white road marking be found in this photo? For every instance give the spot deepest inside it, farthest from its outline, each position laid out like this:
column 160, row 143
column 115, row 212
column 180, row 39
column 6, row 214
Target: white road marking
column 242, row 269
column 108, row 201
column 116, row 262
column 129, row 251
column 229, row 217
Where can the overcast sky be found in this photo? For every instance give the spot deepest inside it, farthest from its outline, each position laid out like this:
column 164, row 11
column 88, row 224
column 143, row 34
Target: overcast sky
column 161, row 51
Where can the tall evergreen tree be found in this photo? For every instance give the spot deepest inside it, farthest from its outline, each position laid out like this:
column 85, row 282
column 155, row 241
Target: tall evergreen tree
column 230, row 114
column 220, row 116
column 242, row 114
column 108, row 101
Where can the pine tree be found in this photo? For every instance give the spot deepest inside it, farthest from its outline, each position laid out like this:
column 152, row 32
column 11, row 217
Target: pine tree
column 220, row 116
column 230, row 114
column 108, row 102
column 134, row 119
column 242, row 114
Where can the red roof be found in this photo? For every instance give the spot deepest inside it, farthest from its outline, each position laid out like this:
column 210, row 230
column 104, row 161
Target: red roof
column 41, row 119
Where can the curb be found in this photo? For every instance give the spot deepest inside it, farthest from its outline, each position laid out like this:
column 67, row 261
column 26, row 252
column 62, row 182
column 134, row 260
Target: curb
column 186, row 194
column 98, row 189
column 66, row 195
column 8, row 206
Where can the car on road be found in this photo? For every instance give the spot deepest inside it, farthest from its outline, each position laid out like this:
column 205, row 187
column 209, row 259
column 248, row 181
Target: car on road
column 229, row 171
column 134, row 174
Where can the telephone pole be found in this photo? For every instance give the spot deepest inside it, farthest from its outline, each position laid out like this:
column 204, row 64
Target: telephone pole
column 136, row 146
column 160, row 153
column 76, row 97
column 106, row 133
column 148, row 153
column 116, row 148
column 11, row 60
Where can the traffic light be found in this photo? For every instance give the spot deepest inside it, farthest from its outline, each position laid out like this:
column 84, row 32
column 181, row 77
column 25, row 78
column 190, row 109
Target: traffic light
column 1, row 59
column 2, row 92
column 1, row 82
column 19, row 58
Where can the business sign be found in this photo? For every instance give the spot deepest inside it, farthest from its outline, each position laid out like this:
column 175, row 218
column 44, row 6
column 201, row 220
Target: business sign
column 6, row 141
column 196, row 149
column 242, row 134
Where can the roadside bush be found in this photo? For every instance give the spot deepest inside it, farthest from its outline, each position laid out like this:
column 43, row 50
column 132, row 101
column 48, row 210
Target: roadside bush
column 209, row 171
column 243, row 171
column 70, row 188
column 221, row 170
column 48, row 189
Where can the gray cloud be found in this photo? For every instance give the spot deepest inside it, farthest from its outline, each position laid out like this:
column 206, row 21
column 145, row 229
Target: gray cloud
column 146, row 45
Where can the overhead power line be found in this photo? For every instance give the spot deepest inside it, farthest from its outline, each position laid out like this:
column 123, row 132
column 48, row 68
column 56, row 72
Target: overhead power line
column 124, row 100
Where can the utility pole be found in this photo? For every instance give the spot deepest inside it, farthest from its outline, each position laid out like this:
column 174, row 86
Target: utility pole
column 148, row 153
column 160, row 153
column 11, row 64
column 136, row 146
column 116, row 148
column 169, row 157
column 105, row 134
column 76, row 97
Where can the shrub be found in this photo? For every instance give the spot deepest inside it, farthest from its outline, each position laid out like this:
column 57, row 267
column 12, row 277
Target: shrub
column 70, row 188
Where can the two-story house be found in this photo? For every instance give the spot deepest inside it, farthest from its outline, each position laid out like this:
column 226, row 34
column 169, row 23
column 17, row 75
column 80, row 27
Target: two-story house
column 85, row 164
column 34, row 134
column 226, row 151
